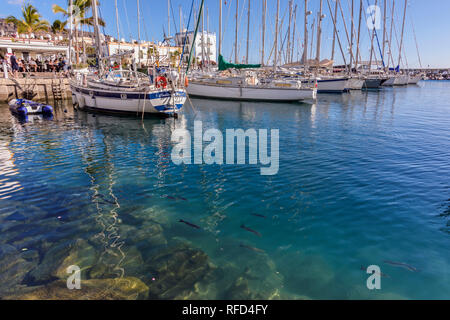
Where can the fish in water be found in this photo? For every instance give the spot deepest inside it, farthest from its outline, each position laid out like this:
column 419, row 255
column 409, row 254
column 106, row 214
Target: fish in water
column 251, row 230
column 171, row 198
column 251, row 248
column 402, row 265
column 189, row 224
column 381, row 274
column 181, row 198
column 258, row 215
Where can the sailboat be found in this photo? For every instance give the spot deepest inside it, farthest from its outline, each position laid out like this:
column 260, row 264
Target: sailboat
column 249, row 82
column 127, row 91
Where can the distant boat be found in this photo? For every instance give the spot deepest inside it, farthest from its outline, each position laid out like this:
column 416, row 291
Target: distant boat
column 327, row 84
column 414, row 79
column 355, row 83
column 248, row 87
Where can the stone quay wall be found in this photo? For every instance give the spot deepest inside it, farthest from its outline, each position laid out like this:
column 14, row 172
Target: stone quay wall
column 13, row 88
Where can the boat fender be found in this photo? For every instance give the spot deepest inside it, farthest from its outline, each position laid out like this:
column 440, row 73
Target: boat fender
column 161, row 82
column 81, row 102
column 186, row 82
column 47, row 109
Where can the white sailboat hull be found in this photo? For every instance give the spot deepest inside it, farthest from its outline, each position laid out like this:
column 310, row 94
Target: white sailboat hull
column 389, row 82
column 332, row 85
column 249, row 93
column 355, row 83
column 157, row 102
column 401, row 80
column 414, row 79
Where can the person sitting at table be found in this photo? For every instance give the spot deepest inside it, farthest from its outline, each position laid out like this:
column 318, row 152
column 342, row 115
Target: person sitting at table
column 32, row 65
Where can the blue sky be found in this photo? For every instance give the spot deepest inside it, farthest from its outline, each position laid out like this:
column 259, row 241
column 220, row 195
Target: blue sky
column 430, row 19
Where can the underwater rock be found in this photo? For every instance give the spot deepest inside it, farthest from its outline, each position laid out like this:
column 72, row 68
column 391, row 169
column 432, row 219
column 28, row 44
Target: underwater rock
column 94, row 289
column 148, row 237
column 176, row 271
column 156, row 214
column 110, row 266
column 59, row 257
column 239, row 290
column 13, row 269
column 80, row 254
column 254, row 271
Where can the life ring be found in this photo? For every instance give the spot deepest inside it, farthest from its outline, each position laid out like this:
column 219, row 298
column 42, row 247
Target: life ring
column 186, row 82
column 161, row 82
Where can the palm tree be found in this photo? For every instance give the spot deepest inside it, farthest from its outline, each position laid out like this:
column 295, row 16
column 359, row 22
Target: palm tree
column 58, row 27
column 31, row 21
column 84, row 6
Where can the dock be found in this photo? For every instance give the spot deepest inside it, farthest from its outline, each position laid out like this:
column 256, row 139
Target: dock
column 41, row 88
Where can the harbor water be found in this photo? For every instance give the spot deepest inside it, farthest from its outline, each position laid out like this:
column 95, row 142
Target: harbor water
column 364, row 179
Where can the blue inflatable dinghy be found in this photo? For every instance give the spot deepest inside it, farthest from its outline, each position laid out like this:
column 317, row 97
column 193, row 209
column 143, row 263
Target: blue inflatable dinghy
column 24, row 107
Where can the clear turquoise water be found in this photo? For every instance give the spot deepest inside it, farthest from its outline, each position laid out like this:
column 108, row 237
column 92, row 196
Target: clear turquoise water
column 364, row 178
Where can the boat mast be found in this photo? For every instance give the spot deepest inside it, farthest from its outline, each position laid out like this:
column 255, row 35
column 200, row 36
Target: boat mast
column 220, row 27
column 384, row 28
column 203, row 38
column 391, row 59
column 288, row 49
column 335, row 31
column 248, row 31
column 346, row 33
column 293, row 34
column 371, row 45
column 168, row 19
column 98, row 44
column 276, row 37
column 70, row 32
column 337, row 36
column 359, row 34
column 117, row 20
column 236, row 34
column 403, row 32
column 139, row 32
column 319, row 32
column 305, row 43
column 264, row 4
column 352, row 58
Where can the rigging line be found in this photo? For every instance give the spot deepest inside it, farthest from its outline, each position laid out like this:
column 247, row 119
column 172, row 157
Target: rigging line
column 104, row 31
column 239, row 24
column 186, row 33
column 370, row 36
column 415, row 39
column 195, row 34
column 378, row 41
column 174, row 18
column 128, row 20
column 141, row 9
column 396, row 40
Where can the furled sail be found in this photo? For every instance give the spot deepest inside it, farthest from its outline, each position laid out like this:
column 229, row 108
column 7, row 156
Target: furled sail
column 223, row 65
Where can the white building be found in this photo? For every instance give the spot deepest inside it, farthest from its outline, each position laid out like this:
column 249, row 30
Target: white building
column 150, row 52
column 205, row 47
column 32, row 49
